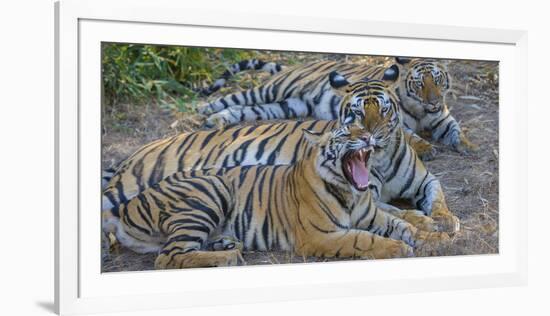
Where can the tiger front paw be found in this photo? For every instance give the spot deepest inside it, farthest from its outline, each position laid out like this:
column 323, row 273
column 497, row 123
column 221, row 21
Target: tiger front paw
column 390, row 249
column 419, row 220
column 462, row 145
column 468, row 146
column 425, row 150
column 430, row 241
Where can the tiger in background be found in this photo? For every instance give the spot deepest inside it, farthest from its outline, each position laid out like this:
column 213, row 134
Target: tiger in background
column 397, row 172
column 304, row 91
column 422, row 88
column 310, row 81
column 320, row 206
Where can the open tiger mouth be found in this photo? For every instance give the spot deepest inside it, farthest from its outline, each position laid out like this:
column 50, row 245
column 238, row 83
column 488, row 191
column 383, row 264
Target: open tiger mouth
column 355, row 167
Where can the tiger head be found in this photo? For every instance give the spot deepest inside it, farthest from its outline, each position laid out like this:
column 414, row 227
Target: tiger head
column 370, row 105
column 342, row 156
column 422, row 86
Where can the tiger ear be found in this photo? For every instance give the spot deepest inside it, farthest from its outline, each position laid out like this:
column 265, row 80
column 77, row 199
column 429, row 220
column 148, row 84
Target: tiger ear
column 403, row 60
column 338, row 83
column 391, row 74
column 444, row 62
column 312, row 137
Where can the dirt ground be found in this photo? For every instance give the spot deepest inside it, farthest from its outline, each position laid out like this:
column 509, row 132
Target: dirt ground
column 470, row 182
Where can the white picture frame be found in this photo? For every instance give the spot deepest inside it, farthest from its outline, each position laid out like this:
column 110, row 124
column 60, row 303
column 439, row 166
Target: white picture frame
column 81, row 26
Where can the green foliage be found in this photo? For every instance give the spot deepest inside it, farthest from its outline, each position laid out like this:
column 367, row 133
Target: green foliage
column 170, row 75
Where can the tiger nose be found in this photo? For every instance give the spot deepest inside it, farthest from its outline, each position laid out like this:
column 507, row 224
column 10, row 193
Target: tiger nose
column 434, row 99
column 366, row 137
column 434, row 106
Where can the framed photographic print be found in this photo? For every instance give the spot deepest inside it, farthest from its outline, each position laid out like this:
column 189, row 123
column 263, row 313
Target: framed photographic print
column 201, row 155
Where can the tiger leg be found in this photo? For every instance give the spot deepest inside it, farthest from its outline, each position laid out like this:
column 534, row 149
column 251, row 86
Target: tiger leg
column 352, row 243
column 465, row 146
column 423, row 148
column 291, row 108
column 415, row 217
column 419, row 220
column 447, row 130
column 431, row 200
column 387, row 225
column 185, row 248
column 188, row 234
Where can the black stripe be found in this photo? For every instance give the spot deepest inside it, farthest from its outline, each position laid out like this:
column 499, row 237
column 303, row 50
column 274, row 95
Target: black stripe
column 185, row 238
column 424, row 196
column 411, row 177
column 394, row 152
column 328, row 212
column 137, row 172
column 109, row 195
column 115, row 211
column 320, row 229
column 436, row 125
column 261, row 146
column 224, row 103
column 120, row 190
column 181, row 155
column 200, row 228
column 372, row 187
column 235, row 99
column 371, row 222
column 127, row 218
column 207, row 139
column 184, row 221
column 397, row 163
column 143, row 200
column 157, row 173
column 245, row 97
column 446, row 130
column 366, row 212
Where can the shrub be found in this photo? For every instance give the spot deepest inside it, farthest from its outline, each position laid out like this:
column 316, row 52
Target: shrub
column 170, row 75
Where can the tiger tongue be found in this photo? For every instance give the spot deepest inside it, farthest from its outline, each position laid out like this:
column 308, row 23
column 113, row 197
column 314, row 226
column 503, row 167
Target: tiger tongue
column 359, row 172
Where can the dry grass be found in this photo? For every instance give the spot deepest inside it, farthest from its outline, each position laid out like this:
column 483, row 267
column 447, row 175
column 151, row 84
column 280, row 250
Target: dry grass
column 470, row 182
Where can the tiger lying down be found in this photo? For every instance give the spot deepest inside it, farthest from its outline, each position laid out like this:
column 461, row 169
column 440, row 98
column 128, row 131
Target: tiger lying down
column 397, row 172
column 257, row 186
column 304, row 91
column 320, row 206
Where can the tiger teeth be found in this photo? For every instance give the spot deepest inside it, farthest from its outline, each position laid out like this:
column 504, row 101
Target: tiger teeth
column 363, row 153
